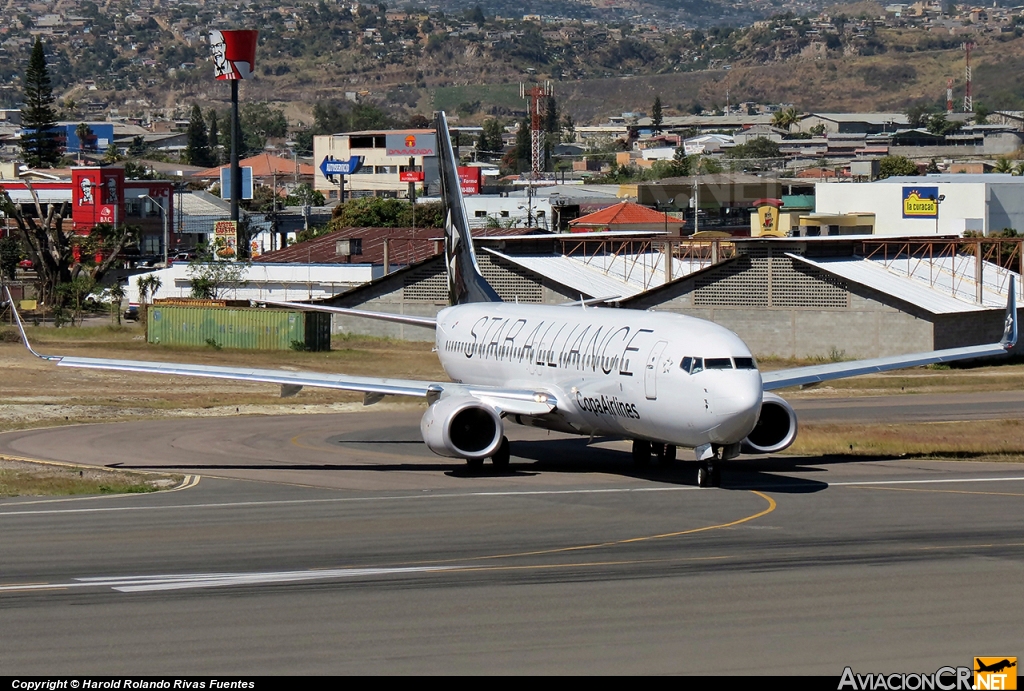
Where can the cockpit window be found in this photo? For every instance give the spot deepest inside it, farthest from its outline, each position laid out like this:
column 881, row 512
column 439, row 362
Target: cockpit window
column 692, row 364
column 718, row 363
column 745, row 363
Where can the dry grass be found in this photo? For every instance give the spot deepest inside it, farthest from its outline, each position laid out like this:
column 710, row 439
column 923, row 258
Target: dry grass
column 21, row 478
column 986, row 439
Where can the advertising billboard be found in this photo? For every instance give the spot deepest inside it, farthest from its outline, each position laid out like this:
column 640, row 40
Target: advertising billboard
column 410, row 144
column 225, row 235
column 469, row 179
column 97, row 196
column 234, row 53
column 920, row 202
column 225, row 182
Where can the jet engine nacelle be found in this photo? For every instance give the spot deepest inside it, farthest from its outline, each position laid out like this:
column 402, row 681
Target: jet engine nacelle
column 462, row 427
column 775, row 429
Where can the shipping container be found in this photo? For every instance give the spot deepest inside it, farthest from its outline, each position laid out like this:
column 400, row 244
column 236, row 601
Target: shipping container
column 232, row 327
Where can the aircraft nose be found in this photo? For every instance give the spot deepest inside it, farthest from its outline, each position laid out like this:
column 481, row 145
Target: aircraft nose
column 737, row 405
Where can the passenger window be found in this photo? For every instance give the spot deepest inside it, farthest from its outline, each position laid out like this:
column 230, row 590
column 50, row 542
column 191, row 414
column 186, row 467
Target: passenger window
column 745, row 363
column 718, row 363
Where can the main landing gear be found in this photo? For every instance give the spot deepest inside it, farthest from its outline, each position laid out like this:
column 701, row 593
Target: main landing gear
column 500, row 459
column 709, row 473
column 642, row 450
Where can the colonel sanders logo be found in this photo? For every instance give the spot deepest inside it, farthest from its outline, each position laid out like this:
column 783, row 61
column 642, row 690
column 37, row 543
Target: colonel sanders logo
column 234, row 53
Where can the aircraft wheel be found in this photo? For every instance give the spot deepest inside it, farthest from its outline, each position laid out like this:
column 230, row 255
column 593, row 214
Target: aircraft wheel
column 501, row 457
column 704, row 474
column 641, row 452
column 667, row 454
column 716, row 475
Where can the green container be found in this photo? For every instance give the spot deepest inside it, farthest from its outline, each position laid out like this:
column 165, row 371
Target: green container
column 239, row 327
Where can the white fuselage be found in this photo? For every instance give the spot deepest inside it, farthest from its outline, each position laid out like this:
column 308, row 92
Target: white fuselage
column 612, row 371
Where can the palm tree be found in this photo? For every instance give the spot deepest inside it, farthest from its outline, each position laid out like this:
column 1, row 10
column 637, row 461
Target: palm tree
column 785, row 119
column 1003, row 165
column 1019, row 168
column 84, row 133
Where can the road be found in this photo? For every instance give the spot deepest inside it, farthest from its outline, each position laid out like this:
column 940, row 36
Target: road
column 338, row 544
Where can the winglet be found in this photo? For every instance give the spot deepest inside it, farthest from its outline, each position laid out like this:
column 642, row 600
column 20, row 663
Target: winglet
column 1010, row 324
column 21, row 328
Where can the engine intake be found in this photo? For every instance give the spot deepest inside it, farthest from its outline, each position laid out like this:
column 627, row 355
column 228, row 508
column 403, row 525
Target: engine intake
column 462, row 427
column 776, row 427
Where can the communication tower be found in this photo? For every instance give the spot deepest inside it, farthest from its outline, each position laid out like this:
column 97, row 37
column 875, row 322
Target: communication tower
column 968, row 96
column 536, row 95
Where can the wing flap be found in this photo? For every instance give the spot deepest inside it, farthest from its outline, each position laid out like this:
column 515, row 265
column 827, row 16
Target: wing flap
column 387, row 387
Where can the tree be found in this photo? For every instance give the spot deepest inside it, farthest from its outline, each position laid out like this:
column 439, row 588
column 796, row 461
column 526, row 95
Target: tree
column 84, row 134
column 551, row 116
column 786, row 118
column 1003, row 165
column 917, row 115
column 981, row 113
column 10, row 254
column 491, row 139
column 197, row 148
column 656, row 116
column 211, row 278
column 214, row 138
column 940, row 126
column 258, row 122
column 60, row 256
column 305, row 195
column 39, row 145
column 761, row 147
column 568, row 128
column 896, row 166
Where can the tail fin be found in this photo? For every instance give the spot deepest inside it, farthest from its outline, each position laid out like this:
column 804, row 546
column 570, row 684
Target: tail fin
column 465, row 282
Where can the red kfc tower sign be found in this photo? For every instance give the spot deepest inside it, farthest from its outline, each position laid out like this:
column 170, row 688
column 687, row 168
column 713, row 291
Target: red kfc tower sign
column 234, row 53
column 97, row 196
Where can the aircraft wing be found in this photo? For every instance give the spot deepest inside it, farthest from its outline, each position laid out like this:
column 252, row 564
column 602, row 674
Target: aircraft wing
column 506, row 400
column 427, row 322
column 799, row 376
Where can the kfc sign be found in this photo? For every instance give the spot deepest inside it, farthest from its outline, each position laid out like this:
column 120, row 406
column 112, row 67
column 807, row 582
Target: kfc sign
column 234, row 53
column 97, row 196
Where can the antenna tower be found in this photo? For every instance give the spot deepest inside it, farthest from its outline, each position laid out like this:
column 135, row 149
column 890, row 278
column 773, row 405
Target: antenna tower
column 536, row 95
column 949, row 96
column 968, row 96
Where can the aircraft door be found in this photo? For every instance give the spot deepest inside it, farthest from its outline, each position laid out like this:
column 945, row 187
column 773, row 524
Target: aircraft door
column 651, row 372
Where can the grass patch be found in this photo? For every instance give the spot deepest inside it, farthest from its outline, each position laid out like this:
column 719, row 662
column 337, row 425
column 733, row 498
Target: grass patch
column 985, row 439
column 24, row 479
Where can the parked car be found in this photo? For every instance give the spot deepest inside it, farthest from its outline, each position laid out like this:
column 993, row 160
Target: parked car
column 25, row 264
column 132, row 313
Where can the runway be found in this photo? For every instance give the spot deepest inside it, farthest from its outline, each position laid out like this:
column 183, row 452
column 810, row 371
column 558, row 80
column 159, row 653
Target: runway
column 339, row 544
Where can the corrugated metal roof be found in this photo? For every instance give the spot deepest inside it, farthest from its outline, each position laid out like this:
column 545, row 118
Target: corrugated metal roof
column 623, row 275
column 407, row 245
column 932, row 286
column 572, row 274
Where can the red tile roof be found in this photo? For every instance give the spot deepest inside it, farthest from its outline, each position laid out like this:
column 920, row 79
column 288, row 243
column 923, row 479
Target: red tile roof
column 263, row 166
column 626, row 213
column 406, row 246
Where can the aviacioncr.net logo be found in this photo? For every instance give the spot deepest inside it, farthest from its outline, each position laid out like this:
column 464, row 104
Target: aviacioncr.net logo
column 943, row 679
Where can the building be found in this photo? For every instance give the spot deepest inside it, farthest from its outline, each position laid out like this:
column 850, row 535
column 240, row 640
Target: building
column 386, row 156
column 626, row 216
column 97, row 195
column 933, row 205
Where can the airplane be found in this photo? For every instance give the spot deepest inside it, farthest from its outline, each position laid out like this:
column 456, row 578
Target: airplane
column 658, row 379
column 994, row 667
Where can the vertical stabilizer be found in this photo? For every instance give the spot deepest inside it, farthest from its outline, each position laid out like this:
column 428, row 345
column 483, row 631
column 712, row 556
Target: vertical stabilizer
column 465, row 282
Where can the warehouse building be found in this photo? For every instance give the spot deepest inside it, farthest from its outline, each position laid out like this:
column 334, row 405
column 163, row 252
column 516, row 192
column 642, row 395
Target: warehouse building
column 933, row 205
column 827, row 298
